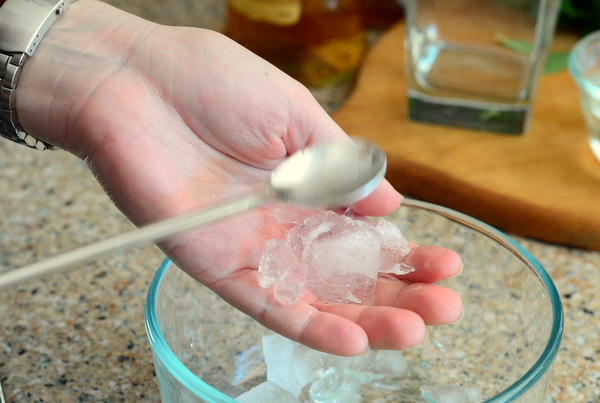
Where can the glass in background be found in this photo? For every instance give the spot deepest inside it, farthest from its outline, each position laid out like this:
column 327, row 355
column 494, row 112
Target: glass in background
column 460, row 71
column 584, row 66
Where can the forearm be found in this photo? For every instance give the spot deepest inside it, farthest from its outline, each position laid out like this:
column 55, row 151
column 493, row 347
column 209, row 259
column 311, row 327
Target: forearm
column 87, row 44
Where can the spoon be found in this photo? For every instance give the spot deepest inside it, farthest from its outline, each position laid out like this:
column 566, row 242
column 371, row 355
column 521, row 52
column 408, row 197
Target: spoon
column 329, row 175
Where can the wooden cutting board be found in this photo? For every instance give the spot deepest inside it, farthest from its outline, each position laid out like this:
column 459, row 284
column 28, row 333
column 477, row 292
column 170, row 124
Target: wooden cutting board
column 544, row 184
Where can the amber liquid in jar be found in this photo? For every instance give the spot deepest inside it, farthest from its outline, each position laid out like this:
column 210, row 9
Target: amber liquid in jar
column 318, row 42
column 380, row 14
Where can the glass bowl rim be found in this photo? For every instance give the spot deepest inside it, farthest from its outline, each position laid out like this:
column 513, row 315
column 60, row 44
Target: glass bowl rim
column 198, row 387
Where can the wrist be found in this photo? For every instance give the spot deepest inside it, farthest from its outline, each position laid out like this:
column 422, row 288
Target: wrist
column 78, row 52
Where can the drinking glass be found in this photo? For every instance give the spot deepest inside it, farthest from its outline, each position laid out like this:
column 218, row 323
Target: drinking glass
column 584, row 66
column 475, row 63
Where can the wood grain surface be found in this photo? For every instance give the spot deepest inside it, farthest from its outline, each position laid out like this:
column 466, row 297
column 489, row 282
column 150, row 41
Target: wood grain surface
column 544, row 184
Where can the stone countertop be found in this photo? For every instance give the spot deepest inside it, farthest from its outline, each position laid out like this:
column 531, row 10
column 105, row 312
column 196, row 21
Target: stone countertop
column 79, row 336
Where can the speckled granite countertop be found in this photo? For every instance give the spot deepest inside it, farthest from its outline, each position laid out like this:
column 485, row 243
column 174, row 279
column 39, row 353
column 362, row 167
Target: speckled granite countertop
column 80, row 336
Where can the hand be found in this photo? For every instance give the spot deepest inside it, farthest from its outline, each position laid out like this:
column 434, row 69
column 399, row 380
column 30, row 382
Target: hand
column 173, row 119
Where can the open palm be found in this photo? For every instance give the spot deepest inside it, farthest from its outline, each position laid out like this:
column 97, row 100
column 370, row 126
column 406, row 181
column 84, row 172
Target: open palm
column 181, row 118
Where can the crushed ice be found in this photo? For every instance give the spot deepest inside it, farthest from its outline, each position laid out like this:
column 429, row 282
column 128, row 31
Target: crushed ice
column 336, row 257
column 296, row 373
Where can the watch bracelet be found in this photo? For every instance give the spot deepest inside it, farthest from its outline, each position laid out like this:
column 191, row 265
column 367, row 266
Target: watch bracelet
column 10, row 128
column 21, row 45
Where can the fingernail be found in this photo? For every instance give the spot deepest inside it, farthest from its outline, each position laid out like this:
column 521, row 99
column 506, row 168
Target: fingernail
column 462, row 266
column 425, row 337
column 462, row 315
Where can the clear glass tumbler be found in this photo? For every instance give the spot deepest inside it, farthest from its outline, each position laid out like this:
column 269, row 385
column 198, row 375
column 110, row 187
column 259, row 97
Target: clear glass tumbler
column 475, row 63
column 502, row 350
column 584, row 66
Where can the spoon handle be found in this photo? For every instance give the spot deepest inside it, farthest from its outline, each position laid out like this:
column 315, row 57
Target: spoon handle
column 153, row 232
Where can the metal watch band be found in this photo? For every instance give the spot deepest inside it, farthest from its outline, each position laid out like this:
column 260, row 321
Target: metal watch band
column 9, row 122
column 23, row 23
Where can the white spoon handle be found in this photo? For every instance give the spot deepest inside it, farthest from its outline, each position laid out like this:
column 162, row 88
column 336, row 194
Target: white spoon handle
column 153, row 232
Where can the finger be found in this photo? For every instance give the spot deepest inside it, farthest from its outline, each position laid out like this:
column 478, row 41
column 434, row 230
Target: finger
column 383, row 201
column 435, row 304
column 299, row 321
column 431, row 264
column 386, row 327
column 333, row 334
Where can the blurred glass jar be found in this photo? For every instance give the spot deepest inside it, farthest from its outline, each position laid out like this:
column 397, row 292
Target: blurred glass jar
column 318, row 42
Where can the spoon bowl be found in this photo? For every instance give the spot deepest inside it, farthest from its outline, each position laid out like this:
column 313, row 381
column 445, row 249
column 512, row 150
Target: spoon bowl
column 334, row 175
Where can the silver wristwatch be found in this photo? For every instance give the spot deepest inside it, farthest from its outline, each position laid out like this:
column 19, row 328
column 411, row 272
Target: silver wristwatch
column 23, row 23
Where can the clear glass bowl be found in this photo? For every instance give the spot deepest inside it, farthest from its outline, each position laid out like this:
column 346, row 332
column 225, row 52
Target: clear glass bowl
column 503, row 348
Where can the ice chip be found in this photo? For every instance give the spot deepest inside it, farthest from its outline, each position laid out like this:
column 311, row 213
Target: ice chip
column 372, row 366
column 336, row 257
column 290, row 214
column 290, row 365
column 343, row 265
column 344, row 249
column 333, row 387
column 449, row 394
column 391, row 236
column 327, row 378
column 267, row 392
column 327, row 387
column 390, row 362
column 345, row 376
column 281, row 268
column 357, row 363
column 394, row 248
column 342, row 255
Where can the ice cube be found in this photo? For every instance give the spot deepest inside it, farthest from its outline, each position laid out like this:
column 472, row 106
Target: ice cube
column 327, row 387
column 342, row 254
column 267, row 392
column 281, row 268
column 333, row 387
column 343, row 247
column 449, row 394
column 326, row 377
column 355, row 363
column 394, row 247
column 389, row 362
column 342, row 380
column 336, row 257
column 290, row 365
column 343, row 268
column 372, row 366
column 290, row 214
